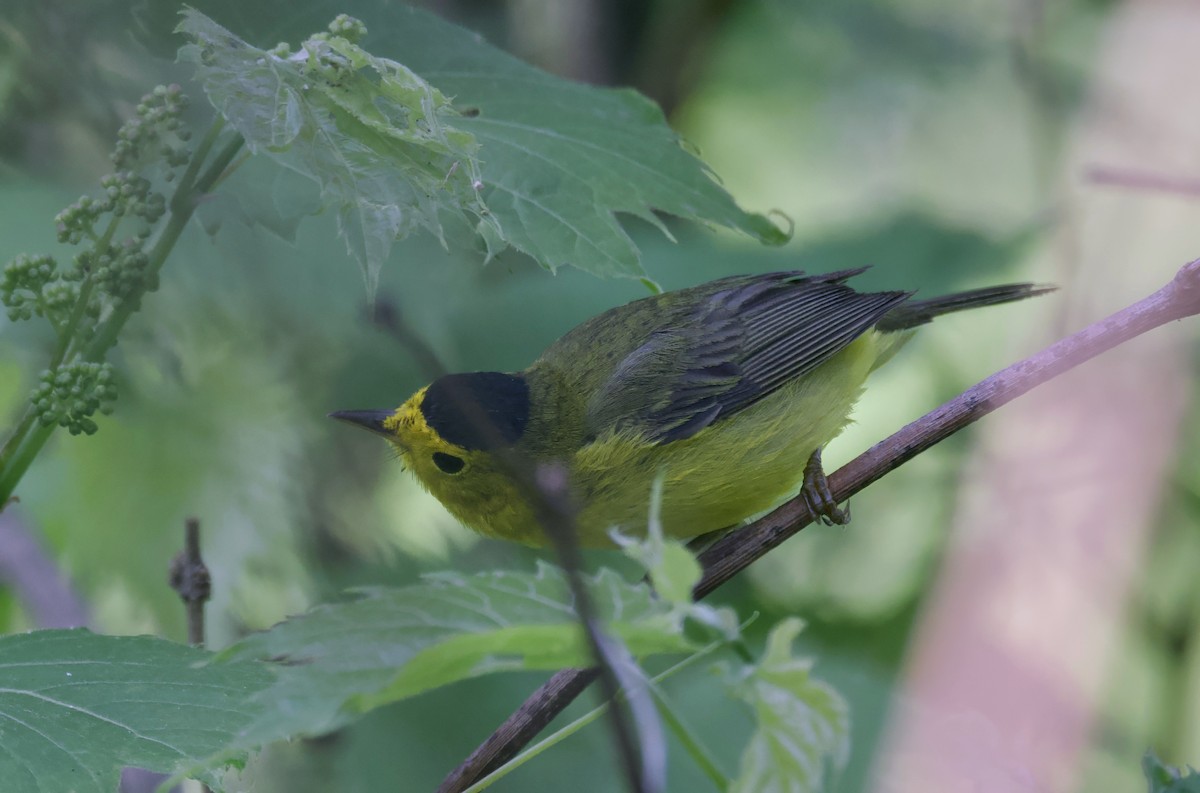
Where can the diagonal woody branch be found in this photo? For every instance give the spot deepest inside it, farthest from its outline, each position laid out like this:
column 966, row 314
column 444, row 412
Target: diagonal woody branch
column 734, row 552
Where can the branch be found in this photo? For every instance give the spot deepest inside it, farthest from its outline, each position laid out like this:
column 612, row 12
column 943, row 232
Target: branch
column 735, row 551
column 1143, row 180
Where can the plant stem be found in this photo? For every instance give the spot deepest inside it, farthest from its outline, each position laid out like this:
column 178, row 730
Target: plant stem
column 558, row 736
column 691, row 743
column 27, row 448
column 67, row 335
column 15, row 440
column 189, row 175
column 183, row 204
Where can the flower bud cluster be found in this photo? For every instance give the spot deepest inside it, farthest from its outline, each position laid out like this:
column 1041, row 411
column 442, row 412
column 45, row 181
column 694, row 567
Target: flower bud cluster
column 70, row 395
column 22, row 285
column 120, row 273
column 157, row 129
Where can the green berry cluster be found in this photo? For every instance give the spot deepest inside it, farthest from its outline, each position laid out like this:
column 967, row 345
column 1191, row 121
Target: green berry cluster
column 70, row 395
column 157, row 129
column 120, row 273
column 23, row 284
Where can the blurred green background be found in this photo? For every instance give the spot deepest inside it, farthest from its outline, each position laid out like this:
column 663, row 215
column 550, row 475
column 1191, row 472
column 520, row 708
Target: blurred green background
column 939, row 141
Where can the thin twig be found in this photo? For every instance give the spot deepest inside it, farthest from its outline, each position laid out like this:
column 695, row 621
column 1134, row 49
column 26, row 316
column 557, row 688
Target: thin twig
column 546, row 487
column 385, row 315
column 189, row 577
column 1142, row 180
column 735, row 551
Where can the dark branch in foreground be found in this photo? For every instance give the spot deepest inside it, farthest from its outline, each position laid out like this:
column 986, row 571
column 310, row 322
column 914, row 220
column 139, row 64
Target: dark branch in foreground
column 734, row 552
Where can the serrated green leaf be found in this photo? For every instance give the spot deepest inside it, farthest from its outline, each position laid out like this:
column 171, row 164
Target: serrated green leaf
column 379, row 140
column 76, row 707
column 803, row 723
column 345, row 658
column 533, row 161
column 559, row 158
column 1162, row 778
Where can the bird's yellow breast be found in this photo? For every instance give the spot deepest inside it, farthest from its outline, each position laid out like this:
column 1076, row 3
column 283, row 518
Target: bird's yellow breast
column 739, row 466
column 735, row 468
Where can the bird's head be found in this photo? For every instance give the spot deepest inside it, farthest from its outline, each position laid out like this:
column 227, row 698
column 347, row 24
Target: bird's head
column 447, row 434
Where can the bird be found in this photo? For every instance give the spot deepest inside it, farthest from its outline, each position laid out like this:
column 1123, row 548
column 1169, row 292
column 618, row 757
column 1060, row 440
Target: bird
column 725, row 392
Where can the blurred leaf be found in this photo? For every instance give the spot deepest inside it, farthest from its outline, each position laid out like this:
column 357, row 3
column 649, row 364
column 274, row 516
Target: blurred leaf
column 261, row 194
column 802, row 722
column 390, row 644
column 374, row 135
column 213, row 419
column 76, row 707
column 1163, row 778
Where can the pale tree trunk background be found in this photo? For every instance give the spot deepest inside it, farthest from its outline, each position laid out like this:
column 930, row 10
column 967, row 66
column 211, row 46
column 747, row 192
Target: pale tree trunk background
column 1023, row 645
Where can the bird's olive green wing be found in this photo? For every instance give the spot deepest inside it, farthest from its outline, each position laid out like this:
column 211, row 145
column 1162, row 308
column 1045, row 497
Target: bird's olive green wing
column 738, row 344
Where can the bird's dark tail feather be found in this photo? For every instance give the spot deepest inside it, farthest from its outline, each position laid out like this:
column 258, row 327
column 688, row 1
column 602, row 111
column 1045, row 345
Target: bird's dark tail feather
column 918, row 312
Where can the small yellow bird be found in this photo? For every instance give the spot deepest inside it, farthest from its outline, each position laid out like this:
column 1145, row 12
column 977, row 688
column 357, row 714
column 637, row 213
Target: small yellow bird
column 728, row 390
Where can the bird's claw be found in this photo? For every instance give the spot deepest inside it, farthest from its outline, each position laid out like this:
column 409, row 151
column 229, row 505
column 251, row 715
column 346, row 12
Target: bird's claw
column 817, row 496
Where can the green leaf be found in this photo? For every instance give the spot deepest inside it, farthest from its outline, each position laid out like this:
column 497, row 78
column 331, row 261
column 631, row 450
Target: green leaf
column 802, row 722
column 560, row 158
column 343, row 659
column 521, row 158
column 378, row 139
column 76, row 707
column 671, row 567
column 1163, row 778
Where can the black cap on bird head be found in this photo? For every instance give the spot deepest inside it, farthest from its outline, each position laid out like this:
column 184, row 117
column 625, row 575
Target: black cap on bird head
column 478, row 410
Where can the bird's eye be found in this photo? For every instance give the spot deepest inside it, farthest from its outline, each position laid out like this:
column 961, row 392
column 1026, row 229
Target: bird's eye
column 448, row 462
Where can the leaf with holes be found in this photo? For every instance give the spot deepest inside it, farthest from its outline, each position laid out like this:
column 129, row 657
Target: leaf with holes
column 803, row 724
column 462, row 139
column 75, row 707
column 380, row 141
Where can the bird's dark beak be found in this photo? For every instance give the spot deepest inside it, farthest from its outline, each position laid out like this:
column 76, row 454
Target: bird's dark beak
column 367, row 419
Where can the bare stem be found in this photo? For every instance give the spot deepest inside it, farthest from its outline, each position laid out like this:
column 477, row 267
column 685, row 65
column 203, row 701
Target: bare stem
column 190, row 578
column 735, row 551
